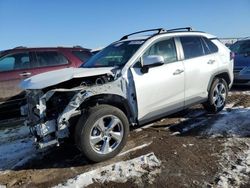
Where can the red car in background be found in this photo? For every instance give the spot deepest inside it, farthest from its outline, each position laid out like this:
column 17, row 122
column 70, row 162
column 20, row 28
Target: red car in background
column 21, row 62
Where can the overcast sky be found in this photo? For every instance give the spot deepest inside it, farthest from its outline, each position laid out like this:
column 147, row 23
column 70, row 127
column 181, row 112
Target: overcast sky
column 97, row 23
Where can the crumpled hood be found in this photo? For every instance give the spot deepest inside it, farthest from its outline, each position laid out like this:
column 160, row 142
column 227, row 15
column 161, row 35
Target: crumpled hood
column 51, row 78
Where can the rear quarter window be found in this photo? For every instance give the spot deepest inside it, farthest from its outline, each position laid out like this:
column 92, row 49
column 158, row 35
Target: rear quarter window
column 210, row 45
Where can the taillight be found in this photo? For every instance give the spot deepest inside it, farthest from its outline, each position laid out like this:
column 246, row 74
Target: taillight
column 232, row 55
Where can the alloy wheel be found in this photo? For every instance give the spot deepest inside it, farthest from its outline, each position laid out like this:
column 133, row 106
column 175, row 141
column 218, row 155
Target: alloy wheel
column 106, row 134
column 219, row 95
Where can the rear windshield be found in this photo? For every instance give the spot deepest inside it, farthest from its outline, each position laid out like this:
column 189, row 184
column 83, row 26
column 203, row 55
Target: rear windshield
column 114, row 55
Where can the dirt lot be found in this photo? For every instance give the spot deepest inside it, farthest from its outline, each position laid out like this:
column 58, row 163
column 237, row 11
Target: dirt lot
column 194, row 149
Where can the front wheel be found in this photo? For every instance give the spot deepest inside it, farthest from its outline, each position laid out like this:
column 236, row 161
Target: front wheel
column 102, row 132
column 217, row 96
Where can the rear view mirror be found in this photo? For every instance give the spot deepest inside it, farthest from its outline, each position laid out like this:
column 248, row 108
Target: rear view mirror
column 151, row 61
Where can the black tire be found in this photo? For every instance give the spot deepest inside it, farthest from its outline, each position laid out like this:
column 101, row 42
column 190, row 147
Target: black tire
column 212, row 106
column 88, row 123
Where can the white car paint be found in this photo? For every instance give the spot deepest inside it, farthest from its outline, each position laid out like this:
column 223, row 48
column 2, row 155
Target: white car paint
column 155, row 89
column 148, row 92
column 198, row 72
column 51, row 78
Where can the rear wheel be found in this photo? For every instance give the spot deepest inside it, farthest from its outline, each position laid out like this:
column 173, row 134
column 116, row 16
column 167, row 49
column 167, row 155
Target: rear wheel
column 217, row 96
column 102, row 132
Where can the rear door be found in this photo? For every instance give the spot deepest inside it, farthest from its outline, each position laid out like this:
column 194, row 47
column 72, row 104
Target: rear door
column 199, row 65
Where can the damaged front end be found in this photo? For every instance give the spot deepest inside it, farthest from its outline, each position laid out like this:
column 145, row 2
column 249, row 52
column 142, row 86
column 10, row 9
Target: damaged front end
column 48, row 114
column 50, row 110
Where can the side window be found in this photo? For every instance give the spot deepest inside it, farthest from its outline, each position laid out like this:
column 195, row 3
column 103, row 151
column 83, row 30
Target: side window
column 192, row 46
column 165, row 48
column 82, row 55
column 16, row 61
column 210, row 45
column 45, row 59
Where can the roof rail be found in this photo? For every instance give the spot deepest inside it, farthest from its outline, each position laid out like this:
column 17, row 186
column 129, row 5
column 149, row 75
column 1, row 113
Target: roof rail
column 181, row 28
column 159, row 30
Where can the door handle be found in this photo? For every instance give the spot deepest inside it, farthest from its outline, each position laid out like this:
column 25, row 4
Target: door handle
column 25, row 74
column 178, row 71
column 211, row 61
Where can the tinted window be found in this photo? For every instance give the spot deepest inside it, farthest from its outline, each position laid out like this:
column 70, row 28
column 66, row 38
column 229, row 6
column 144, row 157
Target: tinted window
column 165, row 48
column 50, row 59
column 14, row 62
column 82, row 55
column 192, row 47
column 210, row 45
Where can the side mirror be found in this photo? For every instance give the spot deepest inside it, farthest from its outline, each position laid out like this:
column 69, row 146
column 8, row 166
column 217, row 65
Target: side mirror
column 151, row 61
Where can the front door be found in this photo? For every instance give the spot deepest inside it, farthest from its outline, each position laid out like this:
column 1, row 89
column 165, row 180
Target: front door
column 13, row 68
column 161, row 90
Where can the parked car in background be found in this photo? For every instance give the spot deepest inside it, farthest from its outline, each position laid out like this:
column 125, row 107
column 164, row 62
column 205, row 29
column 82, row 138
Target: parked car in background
column 96, row 50
column 20, row 63
column 133, row 81
column 241, row 49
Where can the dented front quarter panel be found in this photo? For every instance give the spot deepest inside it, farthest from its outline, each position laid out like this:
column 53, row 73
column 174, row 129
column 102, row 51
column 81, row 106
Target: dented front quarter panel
column 116, row 87
column 59, row 126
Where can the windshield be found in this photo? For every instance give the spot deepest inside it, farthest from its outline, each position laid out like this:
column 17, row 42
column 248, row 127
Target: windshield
column 241, row 47
column 114, row 55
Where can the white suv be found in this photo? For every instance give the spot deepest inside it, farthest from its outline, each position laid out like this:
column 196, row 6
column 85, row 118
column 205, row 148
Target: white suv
column 133, row 81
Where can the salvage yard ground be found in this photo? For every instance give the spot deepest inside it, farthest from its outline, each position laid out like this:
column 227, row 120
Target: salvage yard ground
column 189, row 149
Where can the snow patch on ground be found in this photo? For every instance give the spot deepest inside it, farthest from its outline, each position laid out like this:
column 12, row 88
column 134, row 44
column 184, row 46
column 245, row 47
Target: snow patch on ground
column 232, row 122
column 16, row 146
column 15, row 133
column 235, row 163
column 135, row 148
column 147, row 166
column 239, row 93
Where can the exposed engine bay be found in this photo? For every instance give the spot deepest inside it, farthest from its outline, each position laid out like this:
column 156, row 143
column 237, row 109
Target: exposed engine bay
column 49, row 110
